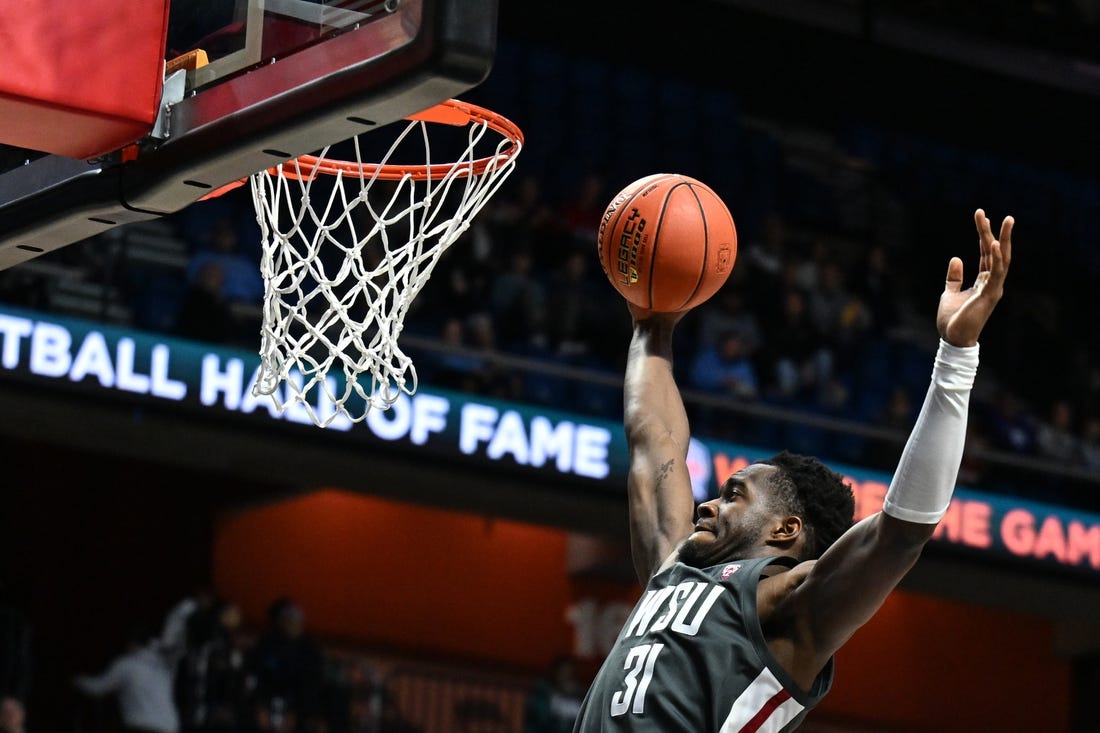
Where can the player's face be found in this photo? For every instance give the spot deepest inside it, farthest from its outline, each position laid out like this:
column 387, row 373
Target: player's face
column 734, row 525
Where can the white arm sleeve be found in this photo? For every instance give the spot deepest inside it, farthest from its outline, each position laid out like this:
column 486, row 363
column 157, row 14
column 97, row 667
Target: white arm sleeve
column 921, row 489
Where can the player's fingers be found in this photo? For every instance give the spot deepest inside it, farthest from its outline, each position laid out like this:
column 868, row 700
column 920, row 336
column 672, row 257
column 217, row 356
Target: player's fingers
column 996, row 270
column 999, row 269
column 1006, row 239
column 988, row 241
column 985, row 233
column 992, row 281
column 954, row 275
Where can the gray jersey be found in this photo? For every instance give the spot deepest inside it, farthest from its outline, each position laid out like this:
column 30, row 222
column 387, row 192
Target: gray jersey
column 692, row 658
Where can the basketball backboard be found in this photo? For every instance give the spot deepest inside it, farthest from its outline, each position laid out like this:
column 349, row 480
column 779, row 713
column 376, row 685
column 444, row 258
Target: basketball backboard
column 275, row 79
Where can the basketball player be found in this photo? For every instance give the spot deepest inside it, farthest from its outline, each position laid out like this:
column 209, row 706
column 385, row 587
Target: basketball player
column 748, row 597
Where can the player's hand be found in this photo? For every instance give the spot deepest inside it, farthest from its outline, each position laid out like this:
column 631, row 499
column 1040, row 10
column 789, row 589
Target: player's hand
column 645, row 315
column 963, row 313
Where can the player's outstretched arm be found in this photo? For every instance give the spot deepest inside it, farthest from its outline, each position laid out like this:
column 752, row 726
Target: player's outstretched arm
column 853, row 577
column 662, row 507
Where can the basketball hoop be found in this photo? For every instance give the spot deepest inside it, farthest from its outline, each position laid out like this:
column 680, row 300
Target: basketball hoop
column 343, row 263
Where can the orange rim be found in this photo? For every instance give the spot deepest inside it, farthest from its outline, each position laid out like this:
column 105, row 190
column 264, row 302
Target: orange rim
column 450, row 112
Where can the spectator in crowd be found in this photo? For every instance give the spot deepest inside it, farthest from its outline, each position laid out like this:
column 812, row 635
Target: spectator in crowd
column 809, row 269
column 285, row 670
column 240, row 280
column 840, row 316
column 578, row 215
column 199, row 616
column 142, row 679
column 725, row 312
column 725, row 368
column 1055, row 436
column 880, row 290
column 212, row 687
column 555, row 700
column 520, row 217
column 1038, row 328
column 457, row 368
column 799, row 364
column 13, row 716
column 489, row 376
column 205, row 314
column 764, row 256
column 459, row 288
column 575, row 301
column 1011, row 427
column 974, row 469
column 1090, row 444
column 897, row 417
column 518, row 304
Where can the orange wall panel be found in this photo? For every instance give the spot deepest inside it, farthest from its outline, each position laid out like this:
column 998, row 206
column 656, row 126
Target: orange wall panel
column 382, row 572
column 927, row 664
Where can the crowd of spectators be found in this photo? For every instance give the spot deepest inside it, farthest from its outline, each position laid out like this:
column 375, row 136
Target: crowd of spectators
column 203, row 671
column 820, row 324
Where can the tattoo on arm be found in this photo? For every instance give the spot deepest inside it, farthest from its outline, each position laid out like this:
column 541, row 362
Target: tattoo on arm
column 662, row 474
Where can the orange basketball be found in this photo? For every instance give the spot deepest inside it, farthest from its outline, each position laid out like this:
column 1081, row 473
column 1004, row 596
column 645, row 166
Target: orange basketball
column 667, row 242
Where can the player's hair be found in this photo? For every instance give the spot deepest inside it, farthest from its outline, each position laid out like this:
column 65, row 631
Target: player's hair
column 806, row 487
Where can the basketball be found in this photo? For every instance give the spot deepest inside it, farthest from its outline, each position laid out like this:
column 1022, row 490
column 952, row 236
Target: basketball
column 667, row 242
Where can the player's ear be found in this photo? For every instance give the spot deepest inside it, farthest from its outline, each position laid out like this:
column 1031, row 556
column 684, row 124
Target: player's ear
column 787, row 529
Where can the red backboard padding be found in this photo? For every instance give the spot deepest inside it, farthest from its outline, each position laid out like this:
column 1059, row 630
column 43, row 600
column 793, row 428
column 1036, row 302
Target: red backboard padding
column 80, row 79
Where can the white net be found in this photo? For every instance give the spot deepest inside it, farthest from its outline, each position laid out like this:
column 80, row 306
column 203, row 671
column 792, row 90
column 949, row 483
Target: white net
column 346, row 249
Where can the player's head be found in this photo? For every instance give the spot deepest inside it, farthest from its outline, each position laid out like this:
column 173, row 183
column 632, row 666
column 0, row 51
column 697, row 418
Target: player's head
column 286, row 616
column 788, row 504
column 806, row 487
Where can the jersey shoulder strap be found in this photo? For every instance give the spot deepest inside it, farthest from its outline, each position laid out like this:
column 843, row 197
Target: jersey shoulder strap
column 751, row 572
